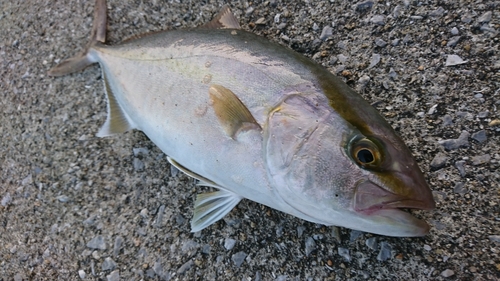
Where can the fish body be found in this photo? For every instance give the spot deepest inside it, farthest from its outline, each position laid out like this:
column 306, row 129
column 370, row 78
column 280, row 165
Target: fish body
column 258, row 121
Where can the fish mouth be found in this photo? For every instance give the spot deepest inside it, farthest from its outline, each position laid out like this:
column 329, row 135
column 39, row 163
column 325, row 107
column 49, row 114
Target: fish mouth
column 390, row 209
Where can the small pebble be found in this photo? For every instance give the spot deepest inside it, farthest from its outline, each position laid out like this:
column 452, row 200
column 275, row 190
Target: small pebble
column 277, row 18
column 494, row 122
column 63, row 198
column 140, row 150
column 185, row 267
column 239, row 258
column 480, row 136
column 158, row 268
column 343, row 252
column 261, row 21
column 117, row 245
column 397, row 11
column 179, row 219
column 189, row 245
column 336, row 234
column 6, row 199
column 439, row 161
column 380, row 42
column 481, row 159
column 81, row 273
column 483, row 114
column 206, row 249
column 466, row 18
column 439, row 12
column 374, row 60
column 138, row 164
column 447, row 273
column 447, row 120
column 97, row 242
column 108, row 264
column 174, row 171
column 432, row 110
column 326, row 32
column 452, row 144
column 427, row 247
column 378, row 19
column 452, row 60
column 159, row 216
column 355, row 234
column 114, row 276
column 486, row 17
column 300, row 230
column 459, row 188
column 385, row 251
column 372, row 243
column 453, row 41
column 494, row 238
column 454, row 31
column 342, row 58
column 310, row 245
column 364, row 7
column 229, row 243
column 249, row 10
column 363, row 80
column 460, row 165
column 258, row 276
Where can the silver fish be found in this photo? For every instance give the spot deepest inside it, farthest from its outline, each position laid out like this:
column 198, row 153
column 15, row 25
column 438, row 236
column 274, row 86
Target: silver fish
column 256, row 120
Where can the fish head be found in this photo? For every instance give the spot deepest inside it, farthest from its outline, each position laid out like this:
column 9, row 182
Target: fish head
column 326, row 170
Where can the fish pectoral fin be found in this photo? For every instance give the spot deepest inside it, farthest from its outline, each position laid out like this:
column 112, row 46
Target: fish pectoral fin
column 224, row 19
column 211, row 207
column 233, row 115
column 117, row 121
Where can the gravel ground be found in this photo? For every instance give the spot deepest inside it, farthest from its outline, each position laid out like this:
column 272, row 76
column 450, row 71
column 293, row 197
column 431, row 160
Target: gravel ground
column 73, row 206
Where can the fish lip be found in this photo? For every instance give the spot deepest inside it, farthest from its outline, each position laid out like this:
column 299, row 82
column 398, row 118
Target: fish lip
column 373, row 201
column 370, row 197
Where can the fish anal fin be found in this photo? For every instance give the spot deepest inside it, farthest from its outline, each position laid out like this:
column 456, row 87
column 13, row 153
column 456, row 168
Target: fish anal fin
column 225, row 19
column 211, row 207
column 233, row 115
column 117, row 120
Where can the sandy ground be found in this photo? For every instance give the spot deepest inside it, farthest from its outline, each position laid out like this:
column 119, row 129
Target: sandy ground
column 73, row 206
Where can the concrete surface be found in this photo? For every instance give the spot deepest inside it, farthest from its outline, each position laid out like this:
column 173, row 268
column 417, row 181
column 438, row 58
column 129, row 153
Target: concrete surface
column 76, row 207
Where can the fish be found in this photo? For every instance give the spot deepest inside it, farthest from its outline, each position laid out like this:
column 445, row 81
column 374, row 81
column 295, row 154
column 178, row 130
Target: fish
column 255, row 120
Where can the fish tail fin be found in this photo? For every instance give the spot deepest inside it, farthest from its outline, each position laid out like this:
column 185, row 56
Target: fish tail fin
column 84, row 59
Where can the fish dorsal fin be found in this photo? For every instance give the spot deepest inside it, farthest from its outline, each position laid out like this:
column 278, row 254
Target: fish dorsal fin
column 224, row 19
column 211, row 207
column 117, row 121
column 233, row 115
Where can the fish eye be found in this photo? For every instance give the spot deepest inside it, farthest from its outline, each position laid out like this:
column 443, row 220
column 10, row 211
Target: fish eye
column 366, row 153
column 365, row 156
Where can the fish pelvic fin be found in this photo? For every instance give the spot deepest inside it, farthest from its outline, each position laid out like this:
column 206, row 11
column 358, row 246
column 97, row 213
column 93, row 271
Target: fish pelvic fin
column 233, row 115
column 84, row 59
column 208, row 207
column 211, row 207
column 204, row 181
column 225, row 19
column 117, row 121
